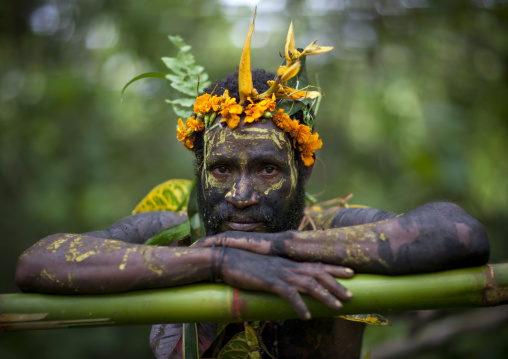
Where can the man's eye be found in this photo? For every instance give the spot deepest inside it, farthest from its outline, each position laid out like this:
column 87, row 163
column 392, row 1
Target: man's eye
column 221, row 169
column 269, row 170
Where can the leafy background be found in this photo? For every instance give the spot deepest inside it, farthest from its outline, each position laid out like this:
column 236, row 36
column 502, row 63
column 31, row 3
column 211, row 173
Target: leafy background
column 415, row 110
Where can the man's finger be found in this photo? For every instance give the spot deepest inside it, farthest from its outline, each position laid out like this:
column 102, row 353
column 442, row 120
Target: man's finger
column 311, row 286
column 236, row 240
column 337, row 289
column 322, row 274
column 294, row 298
column 339, row 271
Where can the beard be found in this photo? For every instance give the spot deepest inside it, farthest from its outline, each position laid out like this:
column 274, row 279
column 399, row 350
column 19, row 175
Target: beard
column 277, row 216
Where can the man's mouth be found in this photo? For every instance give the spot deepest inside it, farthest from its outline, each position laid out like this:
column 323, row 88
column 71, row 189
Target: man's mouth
column 242, row 225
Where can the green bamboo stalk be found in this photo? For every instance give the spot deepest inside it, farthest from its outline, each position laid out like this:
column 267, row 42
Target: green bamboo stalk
column 468, row 287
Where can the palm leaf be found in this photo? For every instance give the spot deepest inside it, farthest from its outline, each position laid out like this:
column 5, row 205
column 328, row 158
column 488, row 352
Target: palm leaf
column 171, row 195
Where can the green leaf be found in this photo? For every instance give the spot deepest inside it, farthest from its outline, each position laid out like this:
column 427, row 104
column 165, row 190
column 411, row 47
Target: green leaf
column 196, row 223
column 310, row 198
column 186, row 61
column 371, row 319
column 171, row 234
column 186, row 88
column 173, row 78
column 290, row 106
column 183, row 112
column 190, row 341
column 177, row 41
column 142, row 76
column 186, row 77
column 186, row 102
column 242, row 346
column 172, row 64
column 201, row 70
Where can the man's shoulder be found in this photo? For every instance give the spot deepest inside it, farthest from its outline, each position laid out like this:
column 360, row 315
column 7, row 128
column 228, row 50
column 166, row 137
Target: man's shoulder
column 322, row 219
column 345, row 217
column 137, row 228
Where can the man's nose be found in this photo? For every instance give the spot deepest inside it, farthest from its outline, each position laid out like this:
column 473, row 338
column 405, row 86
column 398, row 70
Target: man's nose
column 242, row 194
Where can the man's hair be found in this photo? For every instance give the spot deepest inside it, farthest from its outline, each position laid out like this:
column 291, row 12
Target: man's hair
column 260, row 78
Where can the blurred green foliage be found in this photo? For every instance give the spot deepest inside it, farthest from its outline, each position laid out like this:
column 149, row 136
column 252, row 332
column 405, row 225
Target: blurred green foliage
column 415, row 110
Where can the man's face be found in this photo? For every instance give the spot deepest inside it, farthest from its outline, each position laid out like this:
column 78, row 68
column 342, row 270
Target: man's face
column 249, row 180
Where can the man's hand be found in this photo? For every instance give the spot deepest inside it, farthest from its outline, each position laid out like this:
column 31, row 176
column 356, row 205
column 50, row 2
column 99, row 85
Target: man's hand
column 260, row 243
column 288, row 279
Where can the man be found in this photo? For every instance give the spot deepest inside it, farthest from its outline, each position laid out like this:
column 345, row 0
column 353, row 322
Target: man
column 252, row 164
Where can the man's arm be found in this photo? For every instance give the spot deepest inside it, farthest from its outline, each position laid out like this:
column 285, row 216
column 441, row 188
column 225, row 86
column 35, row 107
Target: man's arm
column 110, row 260
column 94, row 263
column 432, row 237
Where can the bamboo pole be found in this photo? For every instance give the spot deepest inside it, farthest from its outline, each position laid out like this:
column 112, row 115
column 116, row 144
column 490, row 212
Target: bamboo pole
column 468, row 287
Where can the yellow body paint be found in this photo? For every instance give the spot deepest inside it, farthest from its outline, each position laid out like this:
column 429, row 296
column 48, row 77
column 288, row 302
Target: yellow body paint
column 125, row 256
column 275, row 186
column 73, row 254
column 150, row 263
column 56, row 244
column 223, row 136
column 46, row 274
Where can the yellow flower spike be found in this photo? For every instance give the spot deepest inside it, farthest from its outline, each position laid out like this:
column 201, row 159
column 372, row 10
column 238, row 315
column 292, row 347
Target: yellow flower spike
column 244, row 74
column 281, row 70
column 289, row 49
column 312, row 94
column 290, row 72
column 314, row 49
column 274, row 88
column 294, row 94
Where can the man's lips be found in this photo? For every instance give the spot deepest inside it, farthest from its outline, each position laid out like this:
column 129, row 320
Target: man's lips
column 243, row 226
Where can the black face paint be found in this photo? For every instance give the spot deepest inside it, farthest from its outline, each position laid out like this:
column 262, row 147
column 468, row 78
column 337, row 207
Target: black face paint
column 276, row 217
column 250, row 181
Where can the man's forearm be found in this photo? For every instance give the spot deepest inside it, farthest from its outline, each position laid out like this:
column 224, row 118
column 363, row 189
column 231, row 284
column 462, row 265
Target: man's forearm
column 432, row 237
column 71, row 263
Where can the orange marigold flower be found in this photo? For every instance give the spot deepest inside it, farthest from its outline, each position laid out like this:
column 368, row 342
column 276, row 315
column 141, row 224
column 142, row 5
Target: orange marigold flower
column 232, row 121
column 291, row 126
column 189, row 143
column 311, row 144
column 316, row 142
column 280, row 118
column 207, row 103
column 184, row 135
column 307, row 159
column 300, row 133
column 194, row 125
column 216, row 102
column 202, row 104
column 303, row 139
column 308, row 147
column 230, row 111
column 181, row 132
column 255, row 110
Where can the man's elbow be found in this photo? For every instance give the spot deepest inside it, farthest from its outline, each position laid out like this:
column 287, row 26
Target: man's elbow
column 478, row 242
column 32, row 272
column 25, row 273
column 471, row 233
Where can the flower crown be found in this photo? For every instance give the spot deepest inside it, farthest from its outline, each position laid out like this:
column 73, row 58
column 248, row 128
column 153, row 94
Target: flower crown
column 279, row 102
